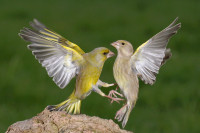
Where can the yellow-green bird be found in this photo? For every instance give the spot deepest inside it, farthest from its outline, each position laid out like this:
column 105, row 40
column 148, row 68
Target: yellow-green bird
column 144, row 63
column 65, row 60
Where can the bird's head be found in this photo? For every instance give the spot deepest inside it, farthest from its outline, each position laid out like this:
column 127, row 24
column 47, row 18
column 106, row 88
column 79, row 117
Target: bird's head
column 100, row 55
column 124, row 48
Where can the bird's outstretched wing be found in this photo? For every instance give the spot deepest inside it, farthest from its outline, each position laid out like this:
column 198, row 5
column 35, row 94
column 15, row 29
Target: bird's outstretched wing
column 61, row 58
column 148, row 58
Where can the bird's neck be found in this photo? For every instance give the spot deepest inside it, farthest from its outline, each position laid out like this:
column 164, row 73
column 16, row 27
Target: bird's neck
column 92, row 60
column 123, row 56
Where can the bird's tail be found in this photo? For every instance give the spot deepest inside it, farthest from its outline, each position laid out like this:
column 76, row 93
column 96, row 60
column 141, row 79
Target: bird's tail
column 126, row 115
column 123, row 113
column 72, row 105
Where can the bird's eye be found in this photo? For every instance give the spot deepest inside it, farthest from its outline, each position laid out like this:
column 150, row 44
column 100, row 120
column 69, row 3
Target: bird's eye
column 123, row 43
column 104, row 53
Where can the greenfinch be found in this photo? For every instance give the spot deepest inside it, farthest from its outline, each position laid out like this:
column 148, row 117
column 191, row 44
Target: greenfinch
column 65, row 60
column 144, row 63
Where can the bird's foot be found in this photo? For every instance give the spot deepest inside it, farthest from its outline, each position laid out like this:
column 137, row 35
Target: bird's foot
column 114, row 93
column 108, row 85
column 114, row 99
column 51, row 108
column 59, row 107
column 120, row 113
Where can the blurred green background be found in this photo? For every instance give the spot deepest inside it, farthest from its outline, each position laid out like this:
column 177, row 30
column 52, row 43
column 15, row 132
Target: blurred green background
column 171, row 105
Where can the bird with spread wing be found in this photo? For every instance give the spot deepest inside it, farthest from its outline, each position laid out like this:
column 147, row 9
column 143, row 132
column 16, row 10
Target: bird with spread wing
column 65, row 60
column 144, row 63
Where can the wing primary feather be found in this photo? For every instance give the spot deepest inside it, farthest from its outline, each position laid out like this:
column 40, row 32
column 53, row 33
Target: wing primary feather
column 61, row 58
column 174, row 22
column 151, row 55
column 37, row 25
column 35, row 46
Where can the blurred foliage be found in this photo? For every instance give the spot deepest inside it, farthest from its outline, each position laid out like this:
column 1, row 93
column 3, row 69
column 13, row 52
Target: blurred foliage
column 171, row 105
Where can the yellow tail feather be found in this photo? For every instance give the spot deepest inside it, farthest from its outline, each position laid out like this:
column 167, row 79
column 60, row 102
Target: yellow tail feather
column 72, row 105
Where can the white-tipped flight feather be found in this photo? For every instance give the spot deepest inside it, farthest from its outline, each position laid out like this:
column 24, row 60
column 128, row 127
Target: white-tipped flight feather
column 61, row 58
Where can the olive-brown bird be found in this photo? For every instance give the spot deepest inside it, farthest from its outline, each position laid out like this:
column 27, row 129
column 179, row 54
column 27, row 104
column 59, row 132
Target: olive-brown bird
column 144, row 63
column 65, row 60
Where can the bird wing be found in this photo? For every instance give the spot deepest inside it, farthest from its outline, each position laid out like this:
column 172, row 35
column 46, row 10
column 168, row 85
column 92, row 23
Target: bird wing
column 147, row 59
column 61, row 58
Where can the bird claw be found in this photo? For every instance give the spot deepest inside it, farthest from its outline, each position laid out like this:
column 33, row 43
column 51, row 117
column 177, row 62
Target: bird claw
column 113, row 96
column 114, row 99
column 114, row 93
column 108, row 85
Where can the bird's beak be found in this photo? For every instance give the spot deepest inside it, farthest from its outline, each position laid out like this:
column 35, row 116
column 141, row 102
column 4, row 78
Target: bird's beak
column 115, row 44
column 110, row 54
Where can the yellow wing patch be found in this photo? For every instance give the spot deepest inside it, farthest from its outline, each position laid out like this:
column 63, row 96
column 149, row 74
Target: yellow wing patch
column 140, row 47
column 52, row 36
column 76, row 55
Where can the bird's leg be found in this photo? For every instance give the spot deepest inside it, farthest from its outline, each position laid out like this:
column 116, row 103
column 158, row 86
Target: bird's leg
column 116, row 85
column 101, row 83
column 120, row 113
column 97, row 90
column 112, row 92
